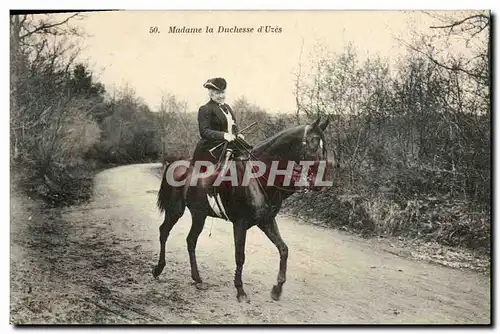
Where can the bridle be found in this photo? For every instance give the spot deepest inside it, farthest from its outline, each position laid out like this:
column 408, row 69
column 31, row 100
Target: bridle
column 304, row 142
column 303, row 157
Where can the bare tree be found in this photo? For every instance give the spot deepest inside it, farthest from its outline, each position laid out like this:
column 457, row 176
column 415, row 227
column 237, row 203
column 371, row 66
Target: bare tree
column 297, row 84
column 176, row 129
column 39, row 49
column 459, row 42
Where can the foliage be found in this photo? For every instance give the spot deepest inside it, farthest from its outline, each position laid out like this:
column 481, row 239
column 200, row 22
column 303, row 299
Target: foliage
column 412, row 138
column 406, row 136
column 63, row 125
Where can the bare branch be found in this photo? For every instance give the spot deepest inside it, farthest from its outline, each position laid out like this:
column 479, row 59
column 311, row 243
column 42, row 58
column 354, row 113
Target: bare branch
column 475, row 34
column 457, row 23
column 448, row 67
column 23, row 20
column 45, row 27
column 297, row 82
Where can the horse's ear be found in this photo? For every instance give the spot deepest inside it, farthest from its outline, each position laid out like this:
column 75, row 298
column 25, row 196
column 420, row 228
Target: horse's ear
column 324, row 124
column 316, row 122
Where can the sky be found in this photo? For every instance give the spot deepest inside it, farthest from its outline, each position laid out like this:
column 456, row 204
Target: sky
column 260, row 66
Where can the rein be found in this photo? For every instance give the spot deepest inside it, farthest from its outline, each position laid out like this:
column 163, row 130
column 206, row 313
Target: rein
column 304, row 143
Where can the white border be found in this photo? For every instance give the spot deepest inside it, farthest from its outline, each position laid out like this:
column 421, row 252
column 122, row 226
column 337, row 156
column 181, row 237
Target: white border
column 188, row 5
column 253, row 5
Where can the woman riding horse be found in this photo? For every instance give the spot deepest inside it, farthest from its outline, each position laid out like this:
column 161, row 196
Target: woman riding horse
column 217, row 124
column 256, row 204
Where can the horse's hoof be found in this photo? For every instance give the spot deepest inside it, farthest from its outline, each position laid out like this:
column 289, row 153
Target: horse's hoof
column 243, row 298
column 276, row 293
column 201, row 286
column 156, row 272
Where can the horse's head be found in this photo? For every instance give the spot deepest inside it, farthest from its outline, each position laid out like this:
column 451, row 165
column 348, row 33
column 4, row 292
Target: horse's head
column 313, row 150
column 313, row 144
column 304, row 144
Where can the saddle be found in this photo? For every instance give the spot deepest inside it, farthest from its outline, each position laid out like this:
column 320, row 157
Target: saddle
column 207, row 181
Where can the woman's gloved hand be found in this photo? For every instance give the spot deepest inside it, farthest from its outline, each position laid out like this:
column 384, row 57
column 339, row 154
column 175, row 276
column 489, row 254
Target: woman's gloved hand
column 229, row 136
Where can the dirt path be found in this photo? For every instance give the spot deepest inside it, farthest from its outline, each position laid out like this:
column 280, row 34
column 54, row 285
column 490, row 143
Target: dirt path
column 92, row 264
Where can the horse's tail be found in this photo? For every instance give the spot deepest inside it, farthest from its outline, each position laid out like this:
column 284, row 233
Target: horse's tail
column 161, row 203
column 169, row 196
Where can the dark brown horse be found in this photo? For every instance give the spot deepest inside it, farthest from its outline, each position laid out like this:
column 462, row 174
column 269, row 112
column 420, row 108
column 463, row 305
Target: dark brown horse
column 258, row 203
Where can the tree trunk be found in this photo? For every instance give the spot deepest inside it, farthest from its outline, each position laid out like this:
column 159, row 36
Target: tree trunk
column 15, row 71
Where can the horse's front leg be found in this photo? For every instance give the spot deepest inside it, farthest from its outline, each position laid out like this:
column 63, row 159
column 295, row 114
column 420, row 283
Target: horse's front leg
column 240, row 234
column 272, row 232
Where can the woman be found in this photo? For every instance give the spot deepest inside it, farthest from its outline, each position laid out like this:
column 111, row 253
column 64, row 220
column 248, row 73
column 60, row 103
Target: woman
column 217, row 125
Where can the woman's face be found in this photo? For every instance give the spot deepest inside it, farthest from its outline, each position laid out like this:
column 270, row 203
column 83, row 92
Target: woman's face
column 217, row 95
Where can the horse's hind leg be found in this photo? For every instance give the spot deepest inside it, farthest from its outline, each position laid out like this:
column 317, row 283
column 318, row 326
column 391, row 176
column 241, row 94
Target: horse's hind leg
column 171, row 218
column 198, row 223
column 272, row 232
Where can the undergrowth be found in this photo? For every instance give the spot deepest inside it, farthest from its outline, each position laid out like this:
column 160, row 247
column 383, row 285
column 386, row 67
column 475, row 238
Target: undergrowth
column 446, row 220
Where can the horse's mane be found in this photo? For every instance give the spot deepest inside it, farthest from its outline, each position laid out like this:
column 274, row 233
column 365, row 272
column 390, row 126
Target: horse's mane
column 264, row 145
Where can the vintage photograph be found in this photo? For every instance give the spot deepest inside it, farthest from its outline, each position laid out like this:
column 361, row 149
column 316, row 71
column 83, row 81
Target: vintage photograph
column 275, row 167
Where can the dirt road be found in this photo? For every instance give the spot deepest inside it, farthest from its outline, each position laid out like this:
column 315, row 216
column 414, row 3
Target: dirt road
column 92, row 264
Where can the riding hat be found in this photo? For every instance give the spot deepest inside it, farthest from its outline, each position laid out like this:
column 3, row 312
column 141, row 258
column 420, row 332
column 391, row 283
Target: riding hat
column 219, row 84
